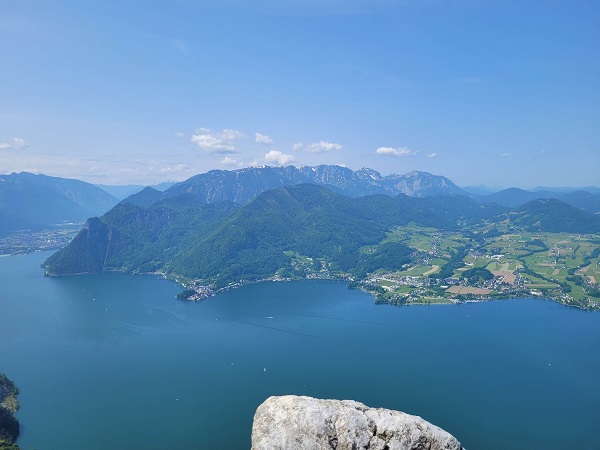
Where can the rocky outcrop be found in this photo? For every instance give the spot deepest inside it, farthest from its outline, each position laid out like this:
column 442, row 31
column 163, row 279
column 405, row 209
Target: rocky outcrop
column 291, row 422
column 9, row 425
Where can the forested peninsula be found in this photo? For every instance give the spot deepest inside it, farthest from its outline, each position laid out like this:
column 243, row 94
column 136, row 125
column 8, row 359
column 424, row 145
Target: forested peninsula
column 404, row 249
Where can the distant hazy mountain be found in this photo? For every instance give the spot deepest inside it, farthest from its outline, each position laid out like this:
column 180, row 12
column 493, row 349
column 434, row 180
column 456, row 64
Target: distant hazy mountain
column 121, row 192
column 242, row 185
column 555, row 216
column 514, row 197
column 422, row 184
column 144, row 198
column 480, row 189
column 582, row 199
column 591, row 189
column 29, row 201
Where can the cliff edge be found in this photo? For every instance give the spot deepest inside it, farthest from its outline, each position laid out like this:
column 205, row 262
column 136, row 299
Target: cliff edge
column 9, row 426
column 292, row 422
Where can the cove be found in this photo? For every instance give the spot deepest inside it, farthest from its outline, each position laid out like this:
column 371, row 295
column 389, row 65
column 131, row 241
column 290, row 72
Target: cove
column 114, row 361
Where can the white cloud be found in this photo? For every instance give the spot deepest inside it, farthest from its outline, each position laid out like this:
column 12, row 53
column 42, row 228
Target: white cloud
column 322, row 147
column 431, row 155
column 505, row 155
column 317, row 147
column 221, row 143
column 179, row 134
column 400, row 151
column 230, row 135
column 228, row 161
column 15, row 144
column 263, row 139
column 279, row 158
column 178, row 168
column 110, row 169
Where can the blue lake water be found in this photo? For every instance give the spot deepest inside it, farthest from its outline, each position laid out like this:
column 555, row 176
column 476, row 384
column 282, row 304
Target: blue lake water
column 114, row 361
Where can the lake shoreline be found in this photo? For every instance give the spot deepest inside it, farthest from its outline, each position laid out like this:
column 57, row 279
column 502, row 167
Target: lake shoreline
column 203, row 291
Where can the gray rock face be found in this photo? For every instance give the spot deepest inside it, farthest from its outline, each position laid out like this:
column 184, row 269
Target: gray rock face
column 242, row 185
column 291, row 422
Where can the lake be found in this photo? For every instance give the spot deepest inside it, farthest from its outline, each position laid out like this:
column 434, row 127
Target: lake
column 115, row 361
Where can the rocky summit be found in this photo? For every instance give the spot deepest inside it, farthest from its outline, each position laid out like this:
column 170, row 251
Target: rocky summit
column 292, row 422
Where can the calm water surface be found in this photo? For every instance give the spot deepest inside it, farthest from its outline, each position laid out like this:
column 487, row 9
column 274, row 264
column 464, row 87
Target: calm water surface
column 114, row 361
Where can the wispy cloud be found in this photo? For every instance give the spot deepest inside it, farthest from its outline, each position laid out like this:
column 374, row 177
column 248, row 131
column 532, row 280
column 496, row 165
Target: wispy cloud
column 431, row 155
column 15, row 144
column 317, row 147
column 176, row 169
column 107, row 170
column 505, row 155
column 279, row 158
column 221, row 143
column 263, row 139
column 400, row 151
column 228, row 161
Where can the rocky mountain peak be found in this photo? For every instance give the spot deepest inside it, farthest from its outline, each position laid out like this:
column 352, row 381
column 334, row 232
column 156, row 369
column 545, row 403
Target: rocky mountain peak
column 242, row 185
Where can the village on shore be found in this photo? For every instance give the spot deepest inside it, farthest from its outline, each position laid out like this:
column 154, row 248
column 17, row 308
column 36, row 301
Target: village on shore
column 446, row 269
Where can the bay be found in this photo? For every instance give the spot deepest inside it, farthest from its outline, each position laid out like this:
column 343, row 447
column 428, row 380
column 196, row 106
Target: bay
column 114, row 361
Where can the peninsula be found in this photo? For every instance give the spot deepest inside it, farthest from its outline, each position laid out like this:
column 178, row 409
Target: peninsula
column 404, row 249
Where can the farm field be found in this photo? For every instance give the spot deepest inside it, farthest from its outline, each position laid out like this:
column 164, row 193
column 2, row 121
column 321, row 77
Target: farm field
column 565, row 267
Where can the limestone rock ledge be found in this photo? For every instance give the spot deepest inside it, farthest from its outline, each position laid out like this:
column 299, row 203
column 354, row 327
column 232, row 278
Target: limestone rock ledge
column 305, row 423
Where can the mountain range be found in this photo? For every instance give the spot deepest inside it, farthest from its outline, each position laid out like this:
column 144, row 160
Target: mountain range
column 34, row 202
column 124, row 191
column 224, row 241
column 241, row 186
column 514, row 197
column 225, row 226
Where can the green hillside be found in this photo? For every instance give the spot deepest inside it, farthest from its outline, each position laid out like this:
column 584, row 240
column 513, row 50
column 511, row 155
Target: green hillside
column 555, row 216
column 223, row 243
column 308, row 230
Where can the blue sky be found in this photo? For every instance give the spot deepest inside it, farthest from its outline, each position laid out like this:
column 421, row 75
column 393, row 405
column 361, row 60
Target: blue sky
column 502, row 93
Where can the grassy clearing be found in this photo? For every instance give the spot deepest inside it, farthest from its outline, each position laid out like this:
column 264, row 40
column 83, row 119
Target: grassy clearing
column 434, row 269
column 549, row 262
